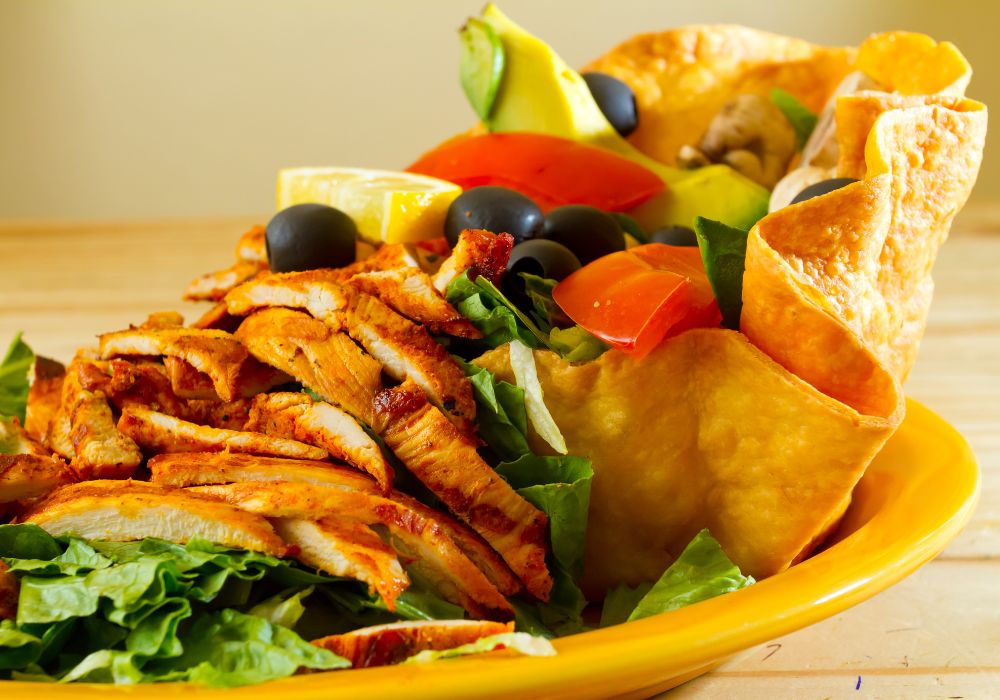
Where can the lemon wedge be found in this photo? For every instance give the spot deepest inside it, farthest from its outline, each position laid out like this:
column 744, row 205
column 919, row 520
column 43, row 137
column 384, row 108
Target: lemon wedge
column 387, row 206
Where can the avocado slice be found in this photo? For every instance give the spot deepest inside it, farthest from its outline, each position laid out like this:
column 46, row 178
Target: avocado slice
column 540, row 93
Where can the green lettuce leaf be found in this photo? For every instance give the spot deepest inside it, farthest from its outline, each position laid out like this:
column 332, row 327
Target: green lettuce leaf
column 501, row 417
column 285, row 608
column 724, row 252
column 702, row 571
column 17, row 648
column 802, row 119
column 522, row 362
column 14, row 378
column 501, row 321
column 520, row 642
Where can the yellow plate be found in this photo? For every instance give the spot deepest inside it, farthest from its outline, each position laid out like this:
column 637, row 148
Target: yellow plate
column 916, row 496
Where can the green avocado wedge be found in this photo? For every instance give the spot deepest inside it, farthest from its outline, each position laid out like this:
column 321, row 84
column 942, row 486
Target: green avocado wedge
column 540, row 93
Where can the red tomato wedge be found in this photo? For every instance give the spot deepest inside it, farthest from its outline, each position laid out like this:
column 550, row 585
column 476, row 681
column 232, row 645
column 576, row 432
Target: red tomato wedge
column 635, row 299
column 552, row 171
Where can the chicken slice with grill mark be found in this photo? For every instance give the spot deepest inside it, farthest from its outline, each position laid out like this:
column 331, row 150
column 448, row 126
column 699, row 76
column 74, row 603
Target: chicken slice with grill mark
column 411, row 292
column 222, row 468
column 253, row 378
column 480, row 252
column 346, row 548
column 24, row 476
column 328, row 362
column 83, row 429
column 435, row 556
column 383, row 645
column 446, row 461
column 296, row 416
column 216, row 353
column 407, row 351
column 44, row 396
column 14, row 440
column 159, row 432
column 121, row 511
column 320, row 292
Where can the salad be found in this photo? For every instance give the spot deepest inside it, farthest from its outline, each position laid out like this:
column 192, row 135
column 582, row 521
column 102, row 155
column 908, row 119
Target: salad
column 626, row 345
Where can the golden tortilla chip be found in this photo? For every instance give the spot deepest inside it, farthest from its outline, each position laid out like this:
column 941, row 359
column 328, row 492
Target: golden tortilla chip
column 761, row 436
column 914, row 64
column 682, row 77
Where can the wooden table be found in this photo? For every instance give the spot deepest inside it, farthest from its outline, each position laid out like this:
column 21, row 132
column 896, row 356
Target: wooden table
column 936, row 634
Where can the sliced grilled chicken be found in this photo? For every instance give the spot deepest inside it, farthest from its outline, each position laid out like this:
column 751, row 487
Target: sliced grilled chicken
column 296, row 416
column 25, row 476
column 411, row 292
column 382, row 645
column 159, row 432
column 323, row 360
column 346, row 548
column 120, row 511
column 159, row 320
column 44, row 396
column 213, row 286
column 446, row 461
column 252, row 246
column 14, row 440
column 144, row 384
column 83, row 429
column 435, row 557
column 319, row 292
column 195, row 469
column 480, row 252
column 216, row 353
column 253, row 378
column 407, row 351
column 218, row 318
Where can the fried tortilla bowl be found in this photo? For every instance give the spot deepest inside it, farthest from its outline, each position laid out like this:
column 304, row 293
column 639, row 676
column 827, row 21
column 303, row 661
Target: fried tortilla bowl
column 762, row 436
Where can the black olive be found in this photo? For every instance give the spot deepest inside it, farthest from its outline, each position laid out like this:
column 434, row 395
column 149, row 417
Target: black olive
column 495, row 209
column 674, row 235
column 822, row 187
column 616, row 100
column 310, row 236
column 589, row 233
column 546, row 259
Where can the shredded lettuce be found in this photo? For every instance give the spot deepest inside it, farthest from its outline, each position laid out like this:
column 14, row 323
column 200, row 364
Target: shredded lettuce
column 702, row 571
column 14, row 378
column 802, row 119
column 724, row 252
column 130, row 612
column 521, row 642
column 522, row 361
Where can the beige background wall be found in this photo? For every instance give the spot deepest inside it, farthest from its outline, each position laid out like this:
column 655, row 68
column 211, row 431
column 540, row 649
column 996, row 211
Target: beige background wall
column 152, row 108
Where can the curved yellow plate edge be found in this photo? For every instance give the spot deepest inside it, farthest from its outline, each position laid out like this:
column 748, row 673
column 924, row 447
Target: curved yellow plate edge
column 915, row 498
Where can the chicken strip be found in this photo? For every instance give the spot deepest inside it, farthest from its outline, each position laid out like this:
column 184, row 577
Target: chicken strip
column 319, row 292
column 411, row 292
column 446, row 461
column 383, row 645
column 44, row 396
column 159, row 432
column 195, row 469
column 120, row 511
column 252, row 246
column 480, row 252
column 14, row 440
column 296, row 416
column 327, row 362
column 435, row 557
column 213, row 286
column 159, row 320
column 346, row 548
column 407, row 351
column 24, row 476
column 83, row 429
column 253, row 378
column 218, row 318
column 9, row 592
column 216, row 353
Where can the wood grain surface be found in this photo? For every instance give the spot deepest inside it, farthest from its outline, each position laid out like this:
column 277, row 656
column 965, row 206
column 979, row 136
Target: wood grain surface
column 935, row 635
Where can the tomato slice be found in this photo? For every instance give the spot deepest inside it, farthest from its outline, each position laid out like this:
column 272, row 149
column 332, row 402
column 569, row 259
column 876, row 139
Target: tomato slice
column 552, row 171
column 634, row 299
